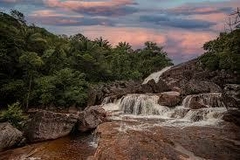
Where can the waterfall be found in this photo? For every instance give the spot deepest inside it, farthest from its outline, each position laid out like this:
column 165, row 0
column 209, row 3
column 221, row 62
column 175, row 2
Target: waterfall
column 146, row 106
column 207, row 99
column 155, row 76
column 141, row 104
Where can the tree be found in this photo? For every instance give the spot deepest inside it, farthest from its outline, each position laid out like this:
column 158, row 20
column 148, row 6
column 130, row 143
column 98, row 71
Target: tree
column 102, row 43
column 18, row 15
column 30, row 61
column 234, row 20
column 125, row 46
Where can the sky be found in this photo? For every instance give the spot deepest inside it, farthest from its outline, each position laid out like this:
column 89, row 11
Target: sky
column 180, row 26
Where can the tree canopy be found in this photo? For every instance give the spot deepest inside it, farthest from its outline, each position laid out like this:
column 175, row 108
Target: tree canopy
column 38, row 68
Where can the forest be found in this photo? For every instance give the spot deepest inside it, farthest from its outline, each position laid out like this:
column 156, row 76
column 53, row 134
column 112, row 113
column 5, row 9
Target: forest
column 38, row 68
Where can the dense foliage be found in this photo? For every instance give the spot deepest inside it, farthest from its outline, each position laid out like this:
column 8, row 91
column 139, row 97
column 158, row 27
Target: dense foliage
column 223, row 52
column 14, row 115
column 38, row 68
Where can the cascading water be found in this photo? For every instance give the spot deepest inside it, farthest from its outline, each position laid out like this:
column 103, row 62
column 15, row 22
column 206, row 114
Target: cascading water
column 155, row 76
column 206, row 99
column 146, row 106
column 140, row 104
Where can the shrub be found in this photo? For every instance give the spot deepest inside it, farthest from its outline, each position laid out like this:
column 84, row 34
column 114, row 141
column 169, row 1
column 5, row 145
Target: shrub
column 14, row 115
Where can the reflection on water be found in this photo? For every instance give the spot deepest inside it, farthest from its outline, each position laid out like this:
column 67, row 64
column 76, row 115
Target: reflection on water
column 66, row 148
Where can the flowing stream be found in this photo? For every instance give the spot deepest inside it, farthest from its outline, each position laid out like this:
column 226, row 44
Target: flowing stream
column 142, row 106
column 142, row 113
column 73, row 147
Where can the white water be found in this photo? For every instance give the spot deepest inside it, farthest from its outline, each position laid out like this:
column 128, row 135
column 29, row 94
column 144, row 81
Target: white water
column 155, row 76
column 135, row 107
column 206, row 99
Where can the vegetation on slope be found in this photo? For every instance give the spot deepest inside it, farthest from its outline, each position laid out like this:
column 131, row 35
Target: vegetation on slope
column 38, row 68
column 223, row 53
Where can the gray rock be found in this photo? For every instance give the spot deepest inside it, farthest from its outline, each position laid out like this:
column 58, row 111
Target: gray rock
column 10, row 136
column 196, row 87
column 231, row 95
column 204, row 101
column 232, row 116
column 91, row 118
column 152, row 87
column 169, row 99
column 115, row 89
column 46, row 125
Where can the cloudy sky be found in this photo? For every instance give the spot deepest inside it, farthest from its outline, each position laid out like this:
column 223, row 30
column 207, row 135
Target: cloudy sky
column 181, row 26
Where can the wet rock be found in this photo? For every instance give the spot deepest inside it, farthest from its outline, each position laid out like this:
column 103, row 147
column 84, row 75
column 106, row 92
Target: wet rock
column 196, row 87
column 169, row 99
column 232, row 116
column 231, row 95
column 165, row 142
column 46, row 125
column 131, row 145
column 181, row 74
column 205, row 100
column 10, row 136
column 91, row 118
column 153, row 87
column 115, row 89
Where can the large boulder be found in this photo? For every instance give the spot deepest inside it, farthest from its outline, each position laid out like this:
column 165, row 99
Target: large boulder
column 196, row 87
column 169, row 99
column 153, row 87
column 115, row 89
column 231, row 95
column 46, row 125
column 130, row 140
column 232, row 116
column 193, row 70
column 90, row 118
column 10, row 136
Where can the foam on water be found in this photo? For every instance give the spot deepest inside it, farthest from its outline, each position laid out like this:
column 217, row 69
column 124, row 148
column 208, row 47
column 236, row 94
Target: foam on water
column 155, row 76
column 142, row 108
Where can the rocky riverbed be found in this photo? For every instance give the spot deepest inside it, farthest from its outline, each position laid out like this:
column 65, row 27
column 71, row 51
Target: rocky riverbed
column 180, row 112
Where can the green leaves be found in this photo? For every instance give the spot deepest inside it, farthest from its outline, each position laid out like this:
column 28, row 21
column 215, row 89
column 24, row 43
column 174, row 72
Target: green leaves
column 65, row 88
column 39, row 68
column 14, row 115
column 223, row 52
column 30, row 60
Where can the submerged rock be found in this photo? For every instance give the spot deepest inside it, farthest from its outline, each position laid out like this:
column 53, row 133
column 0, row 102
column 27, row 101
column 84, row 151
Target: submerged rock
column 91, row 118
column 10, row 136
column 46, row 125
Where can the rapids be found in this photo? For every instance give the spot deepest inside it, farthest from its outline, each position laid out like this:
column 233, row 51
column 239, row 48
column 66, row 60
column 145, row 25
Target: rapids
column 142, row 106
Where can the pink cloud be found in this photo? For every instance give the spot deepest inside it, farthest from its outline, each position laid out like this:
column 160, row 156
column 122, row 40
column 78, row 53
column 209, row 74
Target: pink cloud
column 53, row 13
column 182, row 44
column 71, row 4
column 135, row 36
